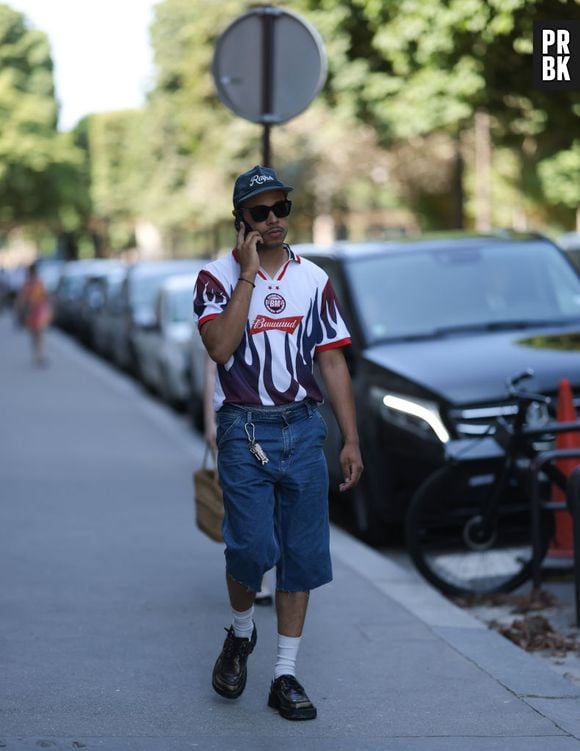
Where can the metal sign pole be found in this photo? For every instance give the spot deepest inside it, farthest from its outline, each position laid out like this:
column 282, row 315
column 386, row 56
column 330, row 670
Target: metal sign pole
column 268, row 66
column 268, row 19
column 266, row 149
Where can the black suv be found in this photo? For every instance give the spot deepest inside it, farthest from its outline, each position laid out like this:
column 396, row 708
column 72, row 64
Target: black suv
column 437, row 326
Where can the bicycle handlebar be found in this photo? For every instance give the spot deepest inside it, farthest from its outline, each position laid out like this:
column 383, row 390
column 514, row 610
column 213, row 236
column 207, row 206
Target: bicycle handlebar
column 518, row 378
column 525, row 397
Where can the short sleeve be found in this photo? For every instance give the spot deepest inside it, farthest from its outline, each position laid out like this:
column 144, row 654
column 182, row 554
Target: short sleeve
column 334, row 330
column 209, row 299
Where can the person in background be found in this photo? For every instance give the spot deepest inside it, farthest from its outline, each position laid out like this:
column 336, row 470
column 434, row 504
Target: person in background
column 34, row 310
column 264, row 596
column 264, row 316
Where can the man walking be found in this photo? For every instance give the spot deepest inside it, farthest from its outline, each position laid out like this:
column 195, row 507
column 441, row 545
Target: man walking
column 264, row 314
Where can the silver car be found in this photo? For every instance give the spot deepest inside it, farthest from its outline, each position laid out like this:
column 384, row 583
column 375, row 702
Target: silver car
column 136, row 304
column 108, row 288
column 163, row 346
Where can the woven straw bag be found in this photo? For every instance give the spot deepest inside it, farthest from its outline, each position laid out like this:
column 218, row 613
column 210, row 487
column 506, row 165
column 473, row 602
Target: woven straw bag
column 209, row 499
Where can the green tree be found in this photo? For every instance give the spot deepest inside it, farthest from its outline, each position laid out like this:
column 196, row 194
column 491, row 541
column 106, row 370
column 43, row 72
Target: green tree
column 38, row 166
column 115, row 146
column 560, row 176
column 197, row 146
column 411, row 68
column 196, row 142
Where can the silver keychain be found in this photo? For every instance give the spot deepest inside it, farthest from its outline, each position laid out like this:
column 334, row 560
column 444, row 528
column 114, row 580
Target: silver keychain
column 253, row 445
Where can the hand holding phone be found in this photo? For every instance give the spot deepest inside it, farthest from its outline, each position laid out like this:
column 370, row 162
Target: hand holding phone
column 248, row 243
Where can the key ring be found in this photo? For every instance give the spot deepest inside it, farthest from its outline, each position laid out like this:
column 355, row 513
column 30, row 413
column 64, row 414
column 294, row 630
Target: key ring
column 252, row 437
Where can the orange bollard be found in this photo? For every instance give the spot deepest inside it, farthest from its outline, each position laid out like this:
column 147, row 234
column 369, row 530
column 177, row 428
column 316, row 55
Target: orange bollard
column 562, row 544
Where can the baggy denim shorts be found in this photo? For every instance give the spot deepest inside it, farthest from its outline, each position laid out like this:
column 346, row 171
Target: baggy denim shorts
column 276, row 514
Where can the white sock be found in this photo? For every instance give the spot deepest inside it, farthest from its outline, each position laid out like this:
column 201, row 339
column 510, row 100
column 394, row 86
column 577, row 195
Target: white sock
column 243, row 622
column 287, row 653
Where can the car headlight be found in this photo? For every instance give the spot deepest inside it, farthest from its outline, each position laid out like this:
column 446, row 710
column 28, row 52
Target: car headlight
column 419, row 415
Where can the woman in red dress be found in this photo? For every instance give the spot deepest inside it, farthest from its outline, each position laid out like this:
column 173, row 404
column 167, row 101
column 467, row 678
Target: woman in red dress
column 35, row 310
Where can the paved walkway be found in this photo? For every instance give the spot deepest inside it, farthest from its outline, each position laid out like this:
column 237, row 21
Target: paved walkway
column 113, row 604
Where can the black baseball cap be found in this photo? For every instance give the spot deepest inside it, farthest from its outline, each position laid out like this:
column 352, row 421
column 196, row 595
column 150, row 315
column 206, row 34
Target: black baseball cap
column 255, row 181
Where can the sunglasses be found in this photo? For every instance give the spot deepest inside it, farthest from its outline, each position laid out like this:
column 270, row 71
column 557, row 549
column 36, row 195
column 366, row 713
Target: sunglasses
column 261, row 213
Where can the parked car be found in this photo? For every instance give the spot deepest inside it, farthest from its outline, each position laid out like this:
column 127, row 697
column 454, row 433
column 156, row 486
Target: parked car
column 108, row 314
column 196, row 379
column 93, row 299
column 137, row 301
column 163, row 348
column 437, row 327
column 12, row 280
column 49, row 271
column 69, row 290
column 570, row 244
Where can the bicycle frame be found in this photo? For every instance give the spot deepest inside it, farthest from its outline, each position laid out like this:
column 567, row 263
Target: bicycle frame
column 492, row 496
column 517, row 443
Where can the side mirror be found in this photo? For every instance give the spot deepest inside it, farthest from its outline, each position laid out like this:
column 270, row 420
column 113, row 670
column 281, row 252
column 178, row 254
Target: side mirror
column 145, row 320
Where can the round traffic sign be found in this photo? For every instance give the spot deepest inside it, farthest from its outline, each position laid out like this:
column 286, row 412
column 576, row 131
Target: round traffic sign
column 269, row 64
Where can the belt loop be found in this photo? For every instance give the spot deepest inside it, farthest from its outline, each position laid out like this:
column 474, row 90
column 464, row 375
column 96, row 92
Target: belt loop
column 309, row 407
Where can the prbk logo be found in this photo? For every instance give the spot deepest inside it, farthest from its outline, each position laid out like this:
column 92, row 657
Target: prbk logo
column 263, row 323
column 274, row 302
column 557, row 55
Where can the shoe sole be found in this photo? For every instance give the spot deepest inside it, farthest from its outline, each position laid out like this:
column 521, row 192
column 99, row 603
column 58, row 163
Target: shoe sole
column 292, row 713
column 267, row 600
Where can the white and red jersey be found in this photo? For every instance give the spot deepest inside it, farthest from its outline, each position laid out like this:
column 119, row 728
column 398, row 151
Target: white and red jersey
column 292, row 317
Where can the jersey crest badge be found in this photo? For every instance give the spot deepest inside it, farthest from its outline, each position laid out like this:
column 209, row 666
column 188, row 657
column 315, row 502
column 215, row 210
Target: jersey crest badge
column 274, row 302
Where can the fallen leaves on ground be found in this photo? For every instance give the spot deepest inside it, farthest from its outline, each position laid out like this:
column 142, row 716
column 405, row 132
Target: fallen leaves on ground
column 534, row 633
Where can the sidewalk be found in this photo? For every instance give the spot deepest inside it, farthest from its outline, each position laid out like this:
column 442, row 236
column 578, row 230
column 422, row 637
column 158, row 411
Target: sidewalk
column 113, row 604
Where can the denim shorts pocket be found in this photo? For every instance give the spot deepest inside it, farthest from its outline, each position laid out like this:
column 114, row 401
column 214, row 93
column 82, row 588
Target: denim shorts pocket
column 322, row 422
column 225, row 425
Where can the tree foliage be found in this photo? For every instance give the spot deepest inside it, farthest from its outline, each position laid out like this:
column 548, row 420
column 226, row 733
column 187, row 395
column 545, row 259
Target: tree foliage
column 38, row 166
column 560, row 176
column 412, row 67
column 393, row 128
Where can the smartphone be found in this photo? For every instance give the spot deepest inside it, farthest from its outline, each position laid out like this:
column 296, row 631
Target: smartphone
column 238, row 223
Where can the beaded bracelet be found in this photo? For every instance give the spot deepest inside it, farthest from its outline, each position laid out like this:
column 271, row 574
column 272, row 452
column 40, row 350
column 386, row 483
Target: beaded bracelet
column 241, row 279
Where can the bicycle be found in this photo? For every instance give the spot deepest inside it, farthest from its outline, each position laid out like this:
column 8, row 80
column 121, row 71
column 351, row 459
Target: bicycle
column 468, row 528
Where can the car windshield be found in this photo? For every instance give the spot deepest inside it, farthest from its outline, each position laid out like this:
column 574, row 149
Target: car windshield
column 181, row 306
column 425, row 293
column 144, row 288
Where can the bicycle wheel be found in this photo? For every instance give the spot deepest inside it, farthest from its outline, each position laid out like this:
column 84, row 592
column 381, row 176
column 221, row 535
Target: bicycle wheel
column 448, row 543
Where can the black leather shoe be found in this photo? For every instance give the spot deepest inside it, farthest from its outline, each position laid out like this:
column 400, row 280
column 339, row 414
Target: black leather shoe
column 290, row 699
column 263, row 599
column 230, row 672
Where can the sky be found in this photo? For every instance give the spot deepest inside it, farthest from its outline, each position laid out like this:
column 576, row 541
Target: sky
column 101, row 52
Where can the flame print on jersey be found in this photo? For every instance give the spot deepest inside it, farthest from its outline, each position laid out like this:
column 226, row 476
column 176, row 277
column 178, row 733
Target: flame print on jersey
column 240, row 377
column 209, row 290
column 240, row 382
column 310, row 334
column 329, row 310
column 279, row 397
